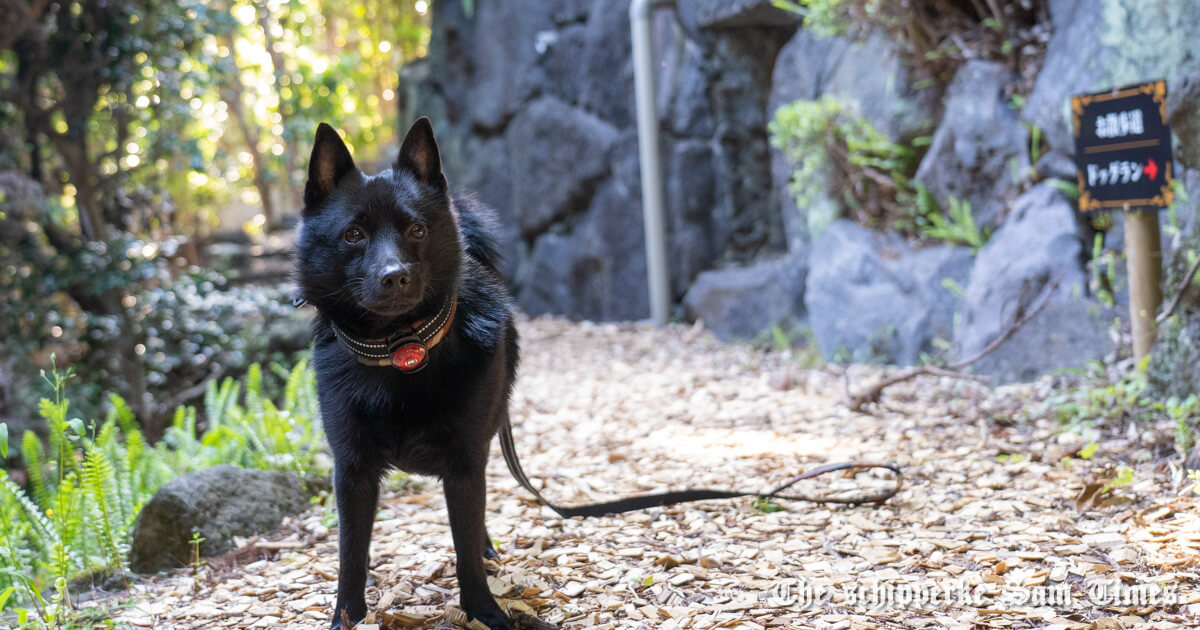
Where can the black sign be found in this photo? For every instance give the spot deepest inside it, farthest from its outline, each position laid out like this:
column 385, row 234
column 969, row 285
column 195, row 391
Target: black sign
column 1123, row 148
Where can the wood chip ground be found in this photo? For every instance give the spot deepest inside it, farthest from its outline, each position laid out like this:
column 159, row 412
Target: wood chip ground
column 1000, row 523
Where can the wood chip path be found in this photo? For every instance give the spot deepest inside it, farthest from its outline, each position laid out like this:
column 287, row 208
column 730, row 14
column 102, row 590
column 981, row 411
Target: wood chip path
column 992, row 529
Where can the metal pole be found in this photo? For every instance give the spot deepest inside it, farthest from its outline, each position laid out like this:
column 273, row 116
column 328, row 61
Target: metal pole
column 648, row 150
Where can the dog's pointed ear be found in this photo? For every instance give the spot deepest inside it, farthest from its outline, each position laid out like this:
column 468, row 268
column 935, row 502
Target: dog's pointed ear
column 419, row 154
column 330, row 162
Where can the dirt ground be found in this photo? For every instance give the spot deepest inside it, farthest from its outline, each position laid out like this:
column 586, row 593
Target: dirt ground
column 1001, row 522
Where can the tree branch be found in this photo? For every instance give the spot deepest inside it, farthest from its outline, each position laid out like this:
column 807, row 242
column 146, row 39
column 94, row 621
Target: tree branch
column 872, row 394
column 1183, row 287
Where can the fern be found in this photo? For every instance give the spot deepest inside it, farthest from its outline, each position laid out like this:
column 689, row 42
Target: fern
column 122, row 413
column 35, row 455
column 43, row 529
column 97, row 474
column 254, row 389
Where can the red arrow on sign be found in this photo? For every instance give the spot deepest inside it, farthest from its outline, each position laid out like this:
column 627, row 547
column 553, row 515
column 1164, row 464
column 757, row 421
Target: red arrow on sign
column 1151, row 169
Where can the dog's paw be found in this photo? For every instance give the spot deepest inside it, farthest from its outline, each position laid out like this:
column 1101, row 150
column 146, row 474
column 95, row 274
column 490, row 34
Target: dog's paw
column 343, row 621
column 496, row 620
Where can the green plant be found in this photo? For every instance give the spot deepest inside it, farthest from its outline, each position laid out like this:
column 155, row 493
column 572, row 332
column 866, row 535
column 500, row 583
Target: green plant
column 1103, row 267
column 840, row 154
column 766, row 506
column 88, row 482
column 1124, row 477
column 1104, row 399
column 957, row 226
column 195, row 542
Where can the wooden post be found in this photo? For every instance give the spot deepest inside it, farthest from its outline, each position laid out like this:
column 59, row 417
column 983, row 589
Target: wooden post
column 1143, row 258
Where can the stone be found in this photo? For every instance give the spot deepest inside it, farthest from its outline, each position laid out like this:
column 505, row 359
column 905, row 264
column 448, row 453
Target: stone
column 557, row 154
column 1183, row 115
column 712, row 14
column 218, row 503
column 979, row 145
column 1037, row 247
column 871, row 296
column 1101, row 44
column 605, row 69
column 742, row 303
column 486, row 176
column 597, row 268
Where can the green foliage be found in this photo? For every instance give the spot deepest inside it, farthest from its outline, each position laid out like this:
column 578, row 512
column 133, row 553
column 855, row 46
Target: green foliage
column 1124, row 477
column 1104, row 399
column 125, row 127
column 958, row 226
column 766, row 505
column 1103, row 267
column 840, row 154
column 1124, row 398
column 88, row 484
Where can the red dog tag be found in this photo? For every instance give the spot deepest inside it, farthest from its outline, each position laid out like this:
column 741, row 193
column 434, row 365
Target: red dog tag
column 409, row 357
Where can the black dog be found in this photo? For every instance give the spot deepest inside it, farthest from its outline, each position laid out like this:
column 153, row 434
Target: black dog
column 415, row 349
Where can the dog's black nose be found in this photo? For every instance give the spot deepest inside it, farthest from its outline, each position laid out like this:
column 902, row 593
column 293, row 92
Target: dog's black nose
column 394, row 277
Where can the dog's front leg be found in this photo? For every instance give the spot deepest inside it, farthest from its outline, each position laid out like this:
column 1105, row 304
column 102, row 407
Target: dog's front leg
column 465, row 497
column 357, row 495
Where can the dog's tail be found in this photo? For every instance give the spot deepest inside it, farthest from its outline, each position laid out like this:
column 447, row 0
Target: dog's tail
column 479, row 226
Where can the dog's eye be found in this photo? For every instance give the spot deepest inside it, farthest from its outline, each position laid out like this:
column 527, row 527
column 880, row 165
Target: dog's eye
column 354, row 235
column 417, row 231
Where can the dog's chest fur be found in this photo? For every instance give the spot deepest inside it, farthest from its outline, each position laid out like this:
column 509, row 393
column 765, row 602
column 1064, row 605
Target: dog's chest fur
column 428, row 422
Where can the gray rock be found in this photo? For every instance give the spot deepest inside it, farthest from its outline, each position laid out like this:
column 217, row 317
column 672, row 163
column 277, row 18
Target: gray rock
column 503, row 56
column 1183, row 114
column 1057, row 165
column 558, row 154
column 690, row 196
column 871, row 296
column 594, row 269
column 979, row 144
column 605, row 70
column 741, row 303
column 219, row 503
column 707, row 14
column 1037, row 247
column 1100, row 44
column 486, row 176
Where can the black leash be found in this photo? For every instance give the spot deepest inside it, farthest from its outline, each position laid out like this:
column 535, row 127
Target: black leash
column 641, row 502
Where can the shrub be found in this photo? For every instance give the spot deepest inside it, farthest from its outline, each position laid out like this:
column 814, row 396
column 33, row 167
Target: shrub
column 840, row 154
column 88, row 483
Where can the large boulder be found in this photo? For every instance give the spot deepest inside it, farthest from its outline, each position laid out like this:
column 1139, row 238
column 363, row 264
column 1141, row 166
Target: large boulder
column 741, row 303
column 558, row 154
column 595, row 269
column 871, row 296
column 218, row 503
column 1099, row 44
column 978, row 145
column 708, row 14
column 1037, row 250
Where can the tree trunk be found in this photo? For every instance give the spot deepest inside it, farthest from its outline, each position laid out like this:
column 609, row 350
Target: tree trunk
column 277, row 62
